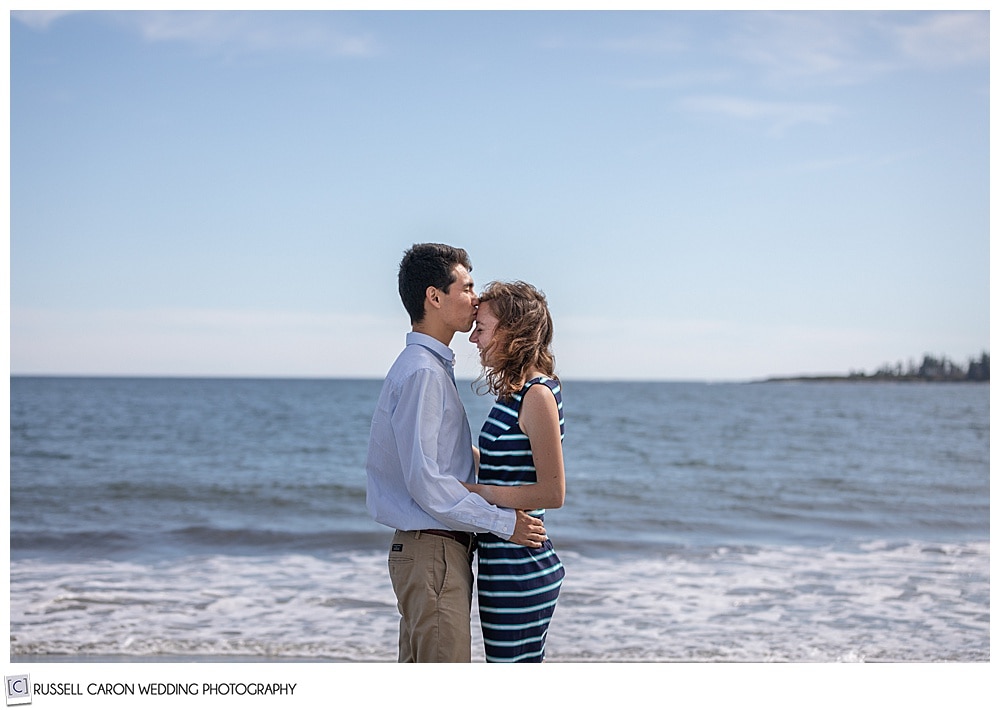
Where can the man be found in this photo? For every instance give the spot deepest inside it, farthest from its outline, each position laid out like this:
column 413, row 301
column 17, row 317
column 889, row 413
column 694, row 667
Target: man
column 419, row 453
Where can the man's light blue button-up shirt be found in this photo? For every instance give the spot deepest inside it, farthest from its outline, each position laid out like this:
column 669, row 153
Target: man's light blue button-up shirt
column 420, row 449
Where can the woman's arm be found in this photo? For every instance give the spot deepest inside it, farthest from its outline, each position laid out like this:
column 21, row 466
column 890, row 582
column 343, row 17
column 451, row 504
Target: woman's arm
column 539, row 420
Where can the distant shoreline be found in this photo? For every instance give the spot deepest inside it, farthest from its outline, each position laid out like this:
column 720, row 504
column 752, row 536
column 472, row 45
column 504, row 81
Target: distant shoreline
column 875, row 379
column 931, row 369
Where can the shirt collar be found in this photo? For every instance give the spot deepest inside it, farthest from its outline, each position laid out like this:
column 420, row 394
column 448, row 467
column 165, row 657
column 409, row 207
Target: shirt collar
column 432, row 344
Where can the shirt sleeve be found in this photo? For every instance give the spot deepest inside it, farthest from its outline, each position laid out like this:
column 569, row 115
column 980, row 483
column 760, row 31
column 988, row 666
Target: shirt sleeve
column 416, row 424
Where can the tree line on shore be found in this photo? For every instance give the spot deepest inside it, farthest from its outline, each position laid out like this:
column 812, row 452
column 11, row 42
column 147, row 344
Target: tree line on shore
column 933, row 369
column 930, row 369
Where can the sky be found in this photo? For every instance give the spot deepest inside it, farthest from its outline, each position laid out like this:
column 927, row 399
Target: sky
column 708, row 196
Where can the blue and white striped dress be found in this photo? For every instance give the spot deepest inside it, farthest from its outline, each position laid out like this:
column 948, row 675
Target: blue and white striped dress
column 518, row 586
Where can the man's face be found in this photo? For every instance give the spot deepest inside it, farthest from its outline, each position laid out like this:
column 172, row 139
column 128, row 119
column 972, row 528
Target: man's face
column 458, row 305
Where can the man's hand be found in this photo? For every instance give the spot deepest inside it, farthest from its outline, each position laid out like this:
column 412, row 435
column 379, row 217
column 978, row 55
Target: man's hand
column 528, row 531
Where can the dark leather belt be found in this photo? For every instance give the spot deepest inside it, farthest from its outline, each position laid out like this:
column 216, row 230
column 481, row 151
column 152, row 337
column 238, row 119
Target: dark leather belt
column 462, row 537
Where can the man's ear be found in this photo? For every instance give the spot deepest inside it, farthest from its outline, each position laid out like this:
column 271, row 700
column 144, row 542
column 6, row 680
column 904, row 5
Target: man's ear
column 433, row 296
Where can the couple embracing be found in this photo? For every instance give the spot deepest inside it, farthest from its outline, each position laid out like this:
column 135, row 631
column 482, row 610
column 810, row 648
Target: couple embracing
column 449, row 501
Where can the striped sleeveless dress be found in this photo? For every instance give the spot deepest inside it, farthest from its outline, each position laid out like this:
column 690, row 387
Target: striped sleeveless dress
column 518, row 586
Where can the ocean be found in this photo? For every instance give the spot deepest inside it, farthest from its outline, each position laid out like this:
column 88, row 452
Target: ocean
column 161, row 518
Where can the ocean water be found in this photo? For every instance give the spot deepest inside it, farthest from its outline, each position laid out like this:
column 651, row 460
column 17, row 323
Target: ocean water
column 157, row 518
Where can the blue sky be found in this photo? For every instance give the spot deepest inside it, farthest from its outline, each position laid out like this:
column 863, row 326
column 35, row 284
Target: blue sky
column 701, row 195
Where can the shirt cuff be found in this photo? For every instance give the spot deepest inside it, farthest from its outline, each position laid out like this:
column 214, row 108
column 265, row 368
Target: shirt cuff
column 505, row 523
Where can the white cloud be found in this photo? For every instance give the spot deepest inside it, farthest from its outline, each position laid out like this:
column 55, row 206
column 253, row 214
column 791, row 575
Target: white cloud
column 253, row 32
column 839, row 48
column 38, row 19
column 945, row 40
column 779, row 114
column 799, row 44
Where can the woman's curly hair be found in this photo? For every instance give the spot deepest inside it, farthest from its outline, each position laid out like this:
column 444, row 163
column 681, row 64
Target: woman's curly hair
column 523, row 338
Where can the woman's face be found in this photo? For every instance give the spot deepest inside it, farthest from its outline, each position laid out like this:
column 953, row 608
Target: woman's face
column 484, row 331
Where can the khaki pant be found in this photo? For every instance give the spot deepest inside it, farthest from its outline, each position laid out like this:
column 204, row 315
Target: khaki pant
column 432, row 579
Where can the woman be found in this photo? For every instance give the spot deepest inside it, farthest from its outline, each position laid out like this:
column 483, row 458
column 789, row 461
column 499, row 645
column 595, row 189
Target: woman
column 520, row 466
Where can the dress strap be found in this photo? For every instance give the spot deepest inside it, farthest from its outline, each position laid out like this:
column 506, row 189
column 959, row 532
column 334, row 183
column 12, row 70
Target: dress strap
column 541, row 379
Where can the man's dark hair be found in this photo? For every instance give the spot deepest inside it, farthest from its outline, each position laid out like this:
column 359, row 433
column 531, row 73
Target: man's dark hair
column 426, row 265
